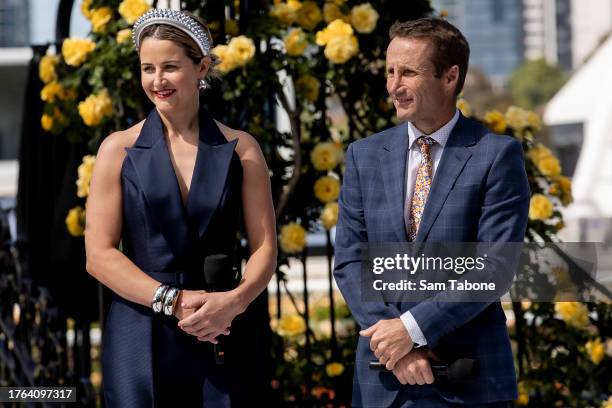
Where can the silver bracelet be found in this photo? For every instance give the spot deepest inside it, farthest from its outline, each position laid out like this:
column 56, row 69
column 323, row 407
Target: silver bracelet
column 170, row 301
column 158, row 297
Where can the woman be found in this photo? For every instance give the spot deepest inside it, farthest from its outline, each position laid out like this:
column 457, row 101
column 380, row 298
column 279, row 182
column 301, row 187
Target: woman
column 172, row 190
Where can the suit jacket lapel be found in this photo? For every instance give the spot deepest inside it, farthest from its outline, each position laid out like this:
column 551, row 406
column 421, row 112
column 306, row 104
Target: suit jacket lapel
column 210, row 173
column 393, row 169
column 151, row 160
column 454, row 157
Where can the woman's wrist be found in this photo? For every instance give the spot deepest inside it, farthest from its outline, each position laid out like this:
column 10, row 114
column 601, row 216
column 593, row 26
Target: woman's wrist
column 240, row 298
column 178, row 308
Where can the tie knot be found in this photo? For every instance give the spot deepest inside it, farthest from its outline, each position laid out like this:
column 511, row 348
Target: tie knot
column 425, row 142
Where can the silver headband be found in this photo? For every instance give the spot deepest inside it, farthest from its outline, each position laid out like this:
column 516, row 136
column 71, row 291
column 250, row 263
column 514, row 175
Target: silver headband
column 174, row 18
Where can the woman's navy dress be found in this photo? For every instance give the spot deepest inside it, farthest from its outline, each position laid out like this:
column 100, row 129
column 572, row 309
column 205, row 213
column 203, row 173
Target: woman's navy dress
column 147, row 360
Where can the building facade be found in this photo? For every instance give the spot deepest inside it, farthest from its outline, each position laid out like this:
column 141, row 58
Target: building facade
column 494, row 29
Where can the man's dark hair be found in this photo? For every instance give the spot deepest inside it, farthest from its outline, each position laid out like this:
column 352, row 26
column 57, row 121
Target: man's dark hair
column 449, row 46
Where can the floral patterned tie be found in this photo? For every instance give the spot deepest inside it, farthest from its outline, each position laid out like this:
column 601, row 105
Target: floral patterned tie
column 421, row 185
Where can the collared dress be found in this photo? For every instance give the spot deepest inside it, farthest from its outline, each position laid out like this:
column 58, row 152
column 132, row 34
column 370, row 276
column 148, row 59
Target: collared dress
column 147, row 360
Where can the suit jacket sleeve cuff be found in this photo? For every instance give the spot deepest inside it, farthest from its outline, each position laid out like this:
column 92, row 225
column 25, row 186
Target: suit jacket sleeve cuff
column 415, row 332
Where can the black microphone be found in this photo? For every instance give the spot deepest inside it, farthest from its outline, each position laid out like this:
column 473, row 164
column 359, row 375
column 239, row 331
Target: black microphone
column 218, row 276
column 462, row 370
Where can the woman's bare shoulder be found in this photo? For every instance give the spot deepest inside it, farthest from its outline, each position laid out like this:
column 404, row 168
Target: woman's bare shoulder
column 112, row 150
column 246, row 142
column 117, row 142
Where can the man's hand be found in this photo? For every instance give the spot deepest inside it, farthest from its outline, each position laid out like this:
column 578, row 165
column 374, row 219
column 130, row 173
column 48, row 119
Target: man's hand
column 389, row 341
column 414, row 368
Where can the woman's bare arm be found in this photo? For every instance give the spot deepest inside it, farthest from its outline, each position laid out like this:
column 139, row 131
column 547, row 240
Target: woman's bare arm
column 259, row 219
column 104, row 222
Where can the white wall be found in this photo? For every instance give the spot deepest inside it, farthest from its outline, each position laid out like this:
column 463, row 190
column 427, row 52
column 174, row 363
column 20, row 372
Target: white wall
column 591, row 20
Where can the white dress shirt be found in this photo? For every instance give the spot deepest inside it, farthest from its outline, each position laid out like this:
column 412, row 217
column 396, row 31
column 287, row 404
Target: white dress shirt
column 413, row 162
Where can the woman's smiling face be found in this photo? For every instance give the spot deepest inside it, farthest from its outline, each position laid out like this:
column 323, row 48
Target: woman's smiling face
column 168, row 76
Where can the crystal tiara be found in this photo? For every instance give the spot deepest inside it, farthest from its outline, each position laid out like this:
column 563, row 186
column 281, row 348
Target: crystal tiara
column 177, row 19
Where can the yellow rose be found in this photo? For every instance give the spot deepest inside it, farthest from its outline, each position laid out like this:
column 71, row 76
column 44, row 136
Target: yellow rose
column 565, row 183
column 340, row 49
column 96, row 378
column 545, row 161
column 327, row 189
column 533, row 121
column 124, row 35
column 540, row 207
column 292, row 325
column 99, row 18
column 517, row 119
column 334, row 369
column 75, row 221
column 596, row 350
column 308, row 86
column 329, row 215
column 573, row 313
column 76, row 50
column 364, row 18
column 538, row 153
column 336, row 28
column 549, row 166
column 495, row 121
column 242, row 48
column 46, row 121
column 607, row 403
column 523, row 398
column 292, row 238
column 54, row 91
column 309, row 15
column 327, row 155
column 295, row 42
column 464, row 107
column 332, row 12
column 46, row 68
column 523, row 394
column 131, row 10
column 96, row 108
column 286, row 13
column 227, row 60
column 85, row 171
column 86, row 8
column 562, row 187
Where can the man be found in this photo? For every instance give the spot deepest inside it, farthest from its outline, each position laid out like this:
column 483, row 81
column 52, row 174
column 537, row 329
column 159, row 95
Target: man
column 440, row 177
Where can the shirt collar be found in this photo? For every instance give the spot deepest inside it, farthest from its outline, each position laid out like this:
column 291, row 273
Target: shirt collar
column 440, row 136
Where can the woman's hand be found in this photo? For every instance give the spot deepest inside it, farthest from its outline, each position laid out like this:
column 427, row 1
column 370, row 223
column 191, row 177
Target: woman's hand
column 181, row 312
column 207, row 315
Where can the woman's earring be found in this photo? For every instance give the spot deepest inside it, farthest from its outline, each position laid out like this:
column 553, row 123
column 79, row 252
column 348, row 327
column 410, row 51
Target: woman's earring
column 202, row 84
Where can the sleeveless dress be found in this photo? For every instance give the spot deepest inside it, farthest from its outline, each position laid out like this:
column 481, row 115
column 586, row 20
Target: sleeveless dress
column 147, row 360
